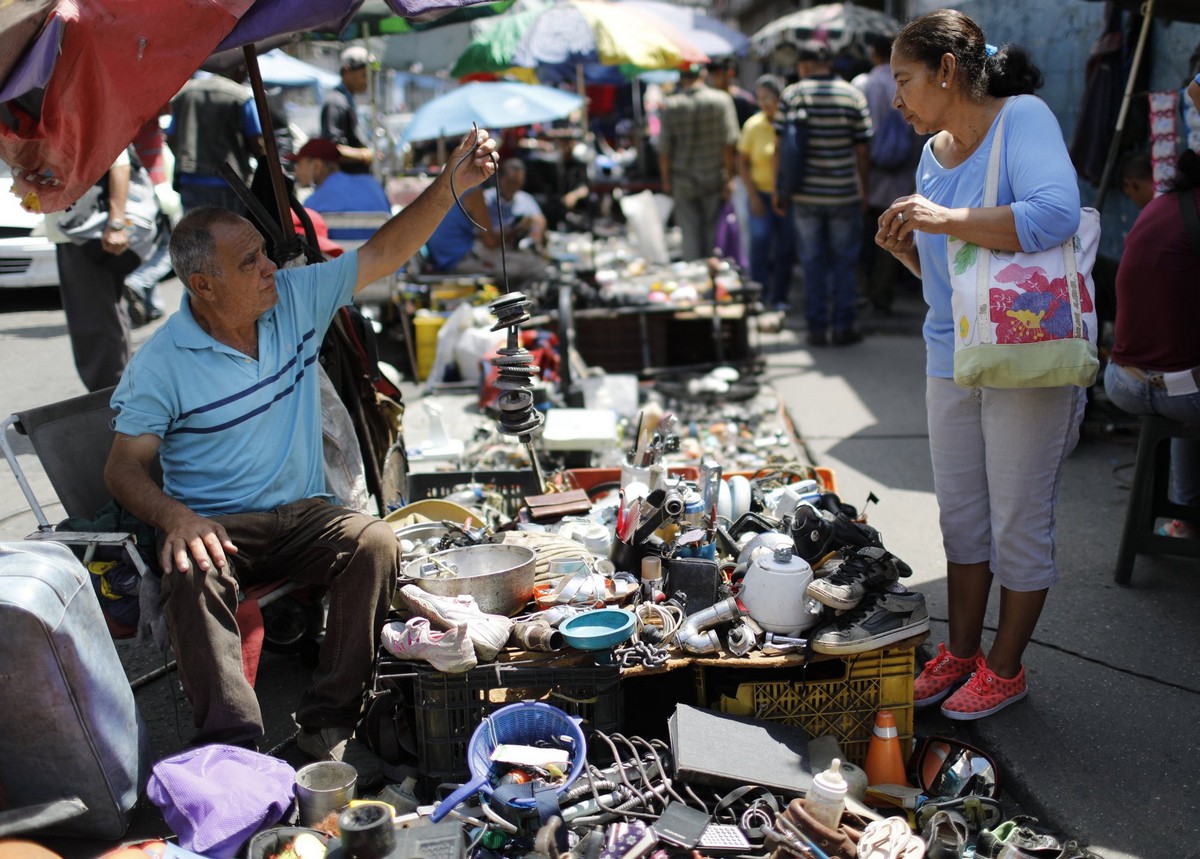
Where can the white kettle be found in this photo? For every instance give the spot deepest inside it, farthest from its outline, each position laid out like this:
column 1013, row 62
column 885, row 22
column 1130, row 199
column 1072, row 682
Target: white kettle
column 773, row 592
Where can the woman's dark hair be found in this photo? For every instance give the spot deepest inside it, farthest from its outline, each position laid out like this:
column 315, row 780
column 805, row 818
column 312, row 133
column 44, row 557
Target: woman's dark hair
column 770, row 82
column 1187, row 175
column 1008, row 70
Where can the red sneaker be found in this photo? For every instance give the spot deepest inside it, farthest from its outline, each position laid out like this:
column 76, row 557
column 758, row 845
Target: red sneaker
column 985, row 694
column 940, row 674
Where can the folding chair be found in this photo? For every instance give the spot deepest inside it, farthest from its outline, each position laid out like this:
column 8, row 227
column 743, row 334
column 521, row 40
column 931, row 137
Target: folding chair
column 72, row 439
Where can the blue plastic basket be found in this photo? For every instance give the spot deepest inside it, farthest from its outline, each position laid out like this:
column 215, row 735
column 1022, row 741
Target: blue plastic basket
column 528, row 723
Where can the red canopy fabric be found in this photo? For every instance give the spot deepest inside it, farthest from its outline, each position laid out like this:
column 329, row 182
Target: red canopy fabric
column 120, row 62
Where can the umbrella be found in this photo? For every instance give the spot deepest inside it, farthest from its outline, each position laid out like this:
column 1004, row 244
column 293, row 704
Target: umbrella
column 499, row 104
column 280, row 69
column 708, row 34
column 97, row 70
column 837, row 24
column 575, row 32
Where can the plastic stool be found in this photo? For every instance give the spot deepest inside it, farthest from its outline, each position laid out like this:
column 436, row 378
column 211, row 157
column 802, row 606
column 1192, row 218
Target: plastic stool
column 1148, row 497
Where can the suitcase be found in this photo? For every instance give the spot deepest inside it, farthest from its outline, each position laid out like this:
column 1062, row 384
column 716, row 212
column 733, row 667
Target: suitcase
column 69, row 726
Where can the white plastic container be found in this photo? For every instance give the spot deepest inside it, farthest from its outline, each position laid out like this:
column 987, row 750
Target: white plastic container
column 826, row 799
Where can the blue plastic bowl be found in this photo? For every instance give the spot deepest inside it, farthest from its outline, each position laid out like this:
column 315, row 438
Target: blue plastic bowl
column 598, row 629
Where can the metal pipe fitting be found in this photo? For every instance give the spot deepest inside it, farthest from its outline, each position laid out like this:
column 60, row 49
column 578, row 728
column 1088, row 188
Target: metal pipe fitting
column 696, row 634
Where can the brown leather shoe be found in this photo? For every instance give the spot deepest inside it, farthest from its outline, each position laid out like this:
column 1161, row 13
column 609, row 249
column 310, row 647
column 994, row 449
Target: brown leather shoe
column 840, row 843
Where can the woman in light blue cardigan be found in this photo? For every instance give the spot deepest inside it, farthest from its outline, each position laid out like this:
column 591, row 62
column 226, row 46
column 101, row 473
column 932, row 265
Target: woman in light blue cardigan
column 997, row 453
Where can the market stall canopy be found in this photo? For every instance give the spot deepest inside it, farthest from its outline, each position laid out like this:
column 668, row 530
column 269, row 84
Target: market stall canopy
column 571, row 32
column 280, row 69
column 96, row 71
column 500, row 104
column 836, row 24
column 715, row 38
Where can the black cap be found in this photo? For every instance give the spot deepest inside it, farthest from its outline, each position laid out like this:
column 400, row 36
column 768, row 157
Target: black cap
column 810, row 50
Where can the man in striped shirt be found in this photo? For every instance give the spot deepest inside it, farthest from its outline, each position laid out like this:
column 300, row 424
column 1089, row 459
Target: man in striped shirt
column 829, row 197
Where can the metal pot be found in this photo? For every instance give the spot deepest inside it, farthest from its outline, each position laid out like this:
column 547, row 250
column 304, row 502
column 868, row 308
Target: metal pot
column 499, row 577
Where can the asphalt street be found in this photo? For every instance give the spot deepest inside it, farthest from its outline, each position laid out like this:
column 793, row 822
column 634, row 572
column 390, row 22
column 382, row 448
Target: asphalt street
column 1104, row 748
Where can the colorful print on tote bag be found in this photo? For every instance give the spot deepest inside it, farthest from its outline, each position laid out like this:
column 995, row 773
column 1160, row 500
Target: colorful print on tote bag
column 1024, row 320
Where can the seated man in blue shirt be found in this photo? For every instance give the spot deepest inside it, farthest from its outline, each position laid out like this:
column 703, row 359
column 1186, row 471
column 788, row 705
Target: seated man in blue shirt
column 337, row 191
column 226, row 396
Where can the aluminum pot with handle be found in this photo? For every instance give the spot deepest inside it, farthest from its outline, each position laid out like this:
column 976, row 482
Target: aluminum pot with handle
column 499, row 577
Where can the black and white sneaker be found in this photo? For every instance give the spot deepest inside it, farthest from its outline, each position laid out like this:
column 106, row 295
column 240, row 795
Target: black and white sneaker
column 879, row 620
column 870, row 568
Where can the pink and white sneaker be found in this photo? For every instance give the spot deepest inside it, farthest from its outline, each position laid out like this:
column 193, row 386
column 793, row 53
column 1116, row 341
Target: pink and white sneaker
column 450, row 651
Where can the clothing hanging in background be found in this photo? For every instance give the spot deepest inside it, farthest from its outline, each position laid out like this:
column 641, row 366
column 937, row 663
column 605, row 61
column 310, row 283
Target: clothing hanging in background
column 1107, row 71
column 1164, row 139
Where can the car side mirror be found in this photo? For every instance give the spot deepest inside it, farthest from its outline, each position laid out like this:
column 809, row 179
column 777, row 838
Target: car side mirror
column 946, row 768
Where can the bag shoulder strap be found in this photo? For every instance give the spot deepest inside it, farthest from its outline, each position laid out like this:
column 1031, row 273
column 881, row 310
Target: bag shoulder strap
column 1191, row 218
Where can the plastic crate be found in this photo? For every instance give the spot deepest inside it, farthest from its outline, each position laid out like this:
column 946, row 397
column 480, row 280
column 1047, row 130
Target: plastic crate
column 449, row 707
column 512, row 486
column 832, row 696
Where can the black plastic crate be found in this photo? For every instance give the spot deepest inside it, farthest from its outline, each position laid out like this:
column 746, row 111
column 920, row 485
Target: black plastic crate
column 512, row 486
column 449, row 707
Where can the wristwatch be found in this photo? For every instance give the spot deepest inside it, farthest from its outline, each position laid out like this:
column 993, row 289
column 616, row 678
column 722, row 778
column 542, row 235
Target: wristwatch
column 117, row 224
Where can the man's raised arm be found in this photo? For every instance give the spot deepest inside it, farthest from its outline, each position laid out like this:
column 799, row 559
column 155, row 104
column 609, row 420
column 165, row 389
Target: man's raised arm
column 127, row 476
column 401, row 237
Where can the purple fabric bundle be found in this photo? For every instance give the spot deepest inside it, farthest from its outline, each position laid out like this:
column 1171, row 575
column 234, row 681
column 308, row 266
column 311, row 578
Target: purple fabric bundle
column 215, row 797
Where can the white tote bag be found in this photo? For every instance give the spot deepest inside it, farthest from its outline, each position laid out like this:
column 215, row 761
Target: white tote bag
column 1024, row 320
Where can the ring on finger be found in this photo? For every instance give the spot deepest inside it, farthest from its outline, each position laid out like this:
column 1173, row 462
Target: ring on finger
column 900, row 218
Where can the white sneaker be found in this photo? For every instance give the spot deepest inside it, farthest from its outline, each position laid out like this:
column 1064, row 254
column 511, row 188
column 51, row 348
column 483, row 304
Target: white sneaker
column 449, row 651
column 489, row 632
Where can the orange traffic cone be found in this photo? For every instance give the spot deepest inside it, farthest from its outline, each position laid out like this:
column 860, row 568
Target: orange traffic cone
column 885, row 761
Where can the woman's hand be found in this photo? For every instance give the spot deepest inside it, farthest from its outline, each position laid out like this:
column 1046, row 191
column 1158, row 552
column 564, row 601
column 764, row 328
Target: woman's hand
column 757, row 207
column 912, row 213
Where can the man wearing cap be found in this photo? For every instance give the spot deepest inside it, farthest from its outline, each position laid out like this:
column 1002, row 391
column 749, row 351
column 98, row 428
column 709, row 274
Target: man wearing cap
column 339, row 113
column 317, row 166
column 829, row 197
column 226, row 397
column 696, row 151
column 214, row 122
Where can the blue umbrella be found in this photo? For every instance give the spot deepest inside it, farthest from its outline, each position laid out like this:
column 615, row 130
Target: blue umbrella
column 501, row 104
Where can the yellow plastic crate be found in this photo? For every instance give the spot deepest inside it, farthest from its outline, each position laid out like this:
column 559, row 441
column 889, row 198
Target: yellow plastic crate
column 842, row 703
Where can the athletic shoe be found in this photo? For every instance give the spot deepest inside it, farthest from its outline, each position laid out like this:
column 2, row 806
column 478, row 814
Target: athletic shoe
column 870, row 568
column 449, row 651
column 488, row 632
column 941, row 674
column 879, row 620
column 984, row 694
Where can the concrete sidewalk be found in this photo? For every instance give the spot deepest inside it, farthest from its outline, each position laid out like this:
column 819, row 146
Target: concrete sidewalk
column 1104, row 748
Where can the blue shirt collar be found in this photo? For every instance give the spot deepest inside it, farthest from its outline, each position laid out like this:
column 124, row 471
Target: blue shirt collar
column 188, row 334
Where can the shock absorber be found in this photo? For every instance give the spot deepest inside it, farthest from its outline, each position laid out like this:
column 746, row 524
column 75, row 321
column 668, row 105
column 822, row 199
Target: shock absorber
column 516, row 371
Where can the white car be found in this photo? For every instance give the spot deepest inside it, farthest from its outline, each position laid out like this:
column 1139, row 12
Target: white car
column 26, row 255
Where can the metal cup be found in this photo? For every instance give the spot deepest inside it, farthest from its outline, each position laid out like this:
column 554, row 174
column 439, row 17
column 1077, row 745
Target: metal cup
column 322, row 788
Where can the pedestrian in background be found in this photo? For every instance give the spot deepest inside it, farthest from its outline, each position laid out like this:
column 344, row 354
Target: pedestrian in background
column 318, row 166
column 213, row 123
column 772, row 234
column 895, row 150
column 829, row 199
column 339, row 113
column 696, row 149
column 997, row 453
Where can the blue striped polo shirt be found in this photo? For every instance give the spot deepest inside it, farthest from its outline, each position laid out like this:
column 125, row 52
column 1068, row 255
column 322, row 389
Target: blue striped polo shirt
column 239, row 435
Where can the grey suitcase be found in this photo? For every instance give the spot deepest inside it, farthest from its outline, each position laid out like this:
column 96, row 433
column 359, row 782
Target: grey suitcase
column 69, row 726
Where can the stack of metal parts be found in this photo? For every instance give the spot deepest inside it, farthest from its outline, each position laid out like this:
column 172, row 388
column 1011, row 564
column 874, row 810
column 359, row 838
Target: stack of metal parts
column 518, row 417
